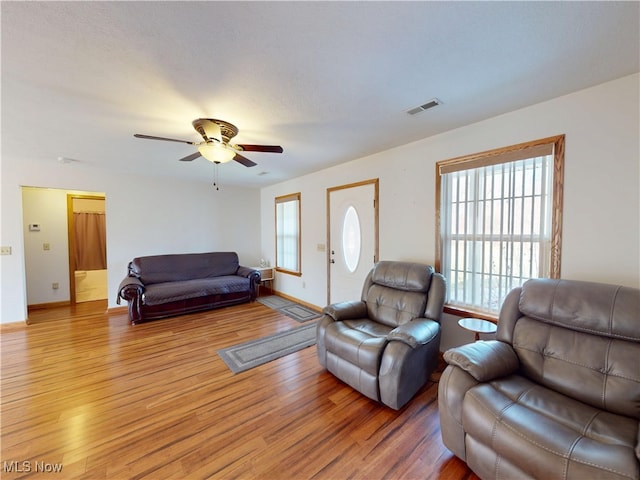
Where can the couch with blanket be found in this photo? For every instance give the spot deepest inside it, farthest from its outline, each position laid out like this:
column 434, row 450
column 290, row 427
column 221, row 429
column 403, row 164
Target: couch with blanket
column 161, row 286
column 557, row 394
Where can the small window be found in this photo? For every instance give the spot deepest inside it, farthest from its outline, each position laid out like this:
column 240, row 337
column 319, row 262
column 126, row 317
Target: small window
column 499, row 219
column 351, row 240
column 288, row 234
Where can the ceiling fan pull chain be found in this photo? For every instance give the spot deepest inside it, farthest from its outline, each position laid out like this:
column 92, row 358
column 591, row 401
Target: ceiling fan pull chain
column 216, row 176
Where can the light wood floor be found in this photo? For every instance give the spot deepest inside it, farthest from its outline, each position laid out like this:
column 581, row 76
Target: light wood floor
column 85, row 391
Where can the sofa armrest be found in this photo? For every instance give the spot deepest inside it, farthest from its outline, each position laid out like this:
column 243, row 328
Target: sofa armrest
column 484, row 361
column 246, row 271
column 129, row 289
column 346, row 310
column 254, row 279
column 418, row 331
column 435, row 300
column 638, row 443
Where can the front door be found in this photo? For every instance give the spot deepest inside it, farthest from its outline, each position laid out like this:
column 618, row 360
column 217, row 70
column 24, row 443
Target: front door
column 352, row 247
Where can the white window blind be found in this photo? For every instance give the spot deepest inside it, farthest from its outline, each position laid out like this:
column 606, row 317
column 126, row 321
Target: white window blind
column 288, row 233
column 495, row 224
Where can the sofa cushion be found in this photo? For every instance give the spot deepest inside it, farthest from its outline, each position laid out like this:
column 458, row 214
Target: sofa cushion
column 359, row 342
column 186, row 266
column 159, row 293
column 394, row 292
column 596, row 308
column 594, row 369
column 393, row 307
column 547, row 434
column 408, row 276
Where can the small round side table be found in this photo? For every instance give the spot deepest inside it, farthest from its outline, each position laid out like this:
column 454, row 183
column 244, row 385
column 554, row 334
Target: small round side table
column 478, row 326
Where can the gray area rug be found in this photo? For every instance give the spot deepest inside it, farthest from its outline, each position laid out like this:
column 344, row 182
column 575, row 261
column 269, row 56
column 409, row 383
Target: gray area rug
column 258, row 352
column 298, row 312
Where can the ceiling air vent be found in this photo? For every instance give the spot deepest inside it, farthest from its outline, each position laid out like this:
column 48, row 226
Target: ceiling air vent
column 430, row 104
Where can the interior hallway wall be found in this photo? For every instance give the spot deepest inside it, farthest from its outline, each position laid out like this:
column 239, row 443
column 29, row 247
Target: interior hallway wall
column 46, row 249
column 146, row 216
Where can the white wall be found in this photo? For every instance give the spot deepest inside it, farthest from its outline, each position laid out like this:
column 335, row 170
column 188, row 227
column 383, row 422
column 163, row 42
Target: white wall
column 601, row 239
column 600, row 242
column 145, row 216
column 48, row 208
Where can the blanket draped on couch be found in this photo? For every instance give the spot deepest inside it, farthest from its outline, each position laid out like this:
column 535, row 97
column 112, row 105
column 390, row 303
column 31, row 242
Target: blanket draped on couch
column 161, row 286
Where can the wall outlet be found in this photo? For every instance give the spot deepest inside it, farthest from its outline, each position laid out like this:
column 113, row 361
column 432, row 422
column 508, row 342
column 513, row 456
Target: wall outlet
column 5, row 250
column 55, row 285
column 46, row 246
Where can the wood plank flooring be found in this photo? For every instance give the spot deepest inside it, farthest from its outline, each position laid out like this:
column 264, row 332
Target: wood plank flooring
column 85, row 392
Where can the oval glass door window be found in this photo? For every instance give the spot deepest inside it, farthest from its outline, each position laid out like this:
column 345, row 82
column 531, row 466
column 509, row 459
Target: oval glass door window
column 351, row 239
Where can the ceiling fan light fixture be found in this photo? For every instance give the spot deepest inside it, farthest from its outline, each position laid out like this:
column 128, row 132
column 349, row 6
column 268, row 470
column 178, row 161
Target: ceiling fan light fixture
column 215, row 146
column 216, row 152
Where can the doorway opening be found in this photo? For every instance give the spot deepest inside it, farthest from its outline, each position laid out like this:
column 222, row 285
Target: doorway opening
column 50, row 269
column 87, row 224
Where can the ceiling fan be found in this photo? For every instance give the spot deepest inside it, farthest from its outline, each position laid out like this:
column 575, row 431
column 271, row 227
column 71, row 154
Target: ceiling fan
column 215, row 146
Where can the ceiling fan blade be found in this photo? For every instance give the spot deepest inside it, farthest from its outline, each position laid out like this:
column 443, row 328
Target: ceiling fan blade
column 191, row 157
column 244, row 161
column 261, row 148
column 151, row 137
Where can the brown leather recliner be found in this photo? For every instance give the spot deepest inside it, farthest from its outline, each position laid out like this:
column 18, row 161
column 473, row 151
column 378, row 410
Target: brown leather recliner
column 386, row 345
column 557, row 394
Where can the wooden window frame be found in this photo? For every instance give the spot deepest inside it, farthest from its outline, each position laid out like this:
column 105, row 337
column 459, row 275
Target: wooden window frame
column 494, row 157
column 284, row 199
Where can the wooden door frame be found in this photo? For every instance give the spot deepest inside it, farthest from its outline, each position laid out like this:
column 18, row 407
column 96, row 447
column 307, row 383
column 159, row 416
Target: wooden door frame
column 376, row 218
column 71, row 236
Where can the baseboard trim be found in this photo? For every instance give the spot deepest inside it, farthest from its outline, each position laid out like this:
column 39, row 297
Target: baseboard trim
column 297, row 300
column 12, row 327
column 44, row 306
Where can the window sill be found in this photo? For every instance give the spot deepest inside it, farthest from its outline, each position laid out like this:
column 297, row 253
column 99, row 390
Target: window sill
column 288, row 272
column 465, row 313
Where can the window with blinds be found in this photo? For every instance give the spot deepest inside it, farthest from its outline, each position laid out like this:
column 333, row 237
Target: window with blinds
column 499, row 217
column 288, row 234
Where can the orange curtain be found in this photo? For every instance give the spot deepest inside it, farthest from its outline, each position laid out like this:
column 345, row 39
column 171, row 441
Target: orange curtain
column 91, row 244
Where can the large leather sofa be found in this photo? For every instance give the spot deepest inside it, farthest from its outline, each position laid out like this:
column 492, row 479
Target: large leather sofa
column 386, row 344
column 557, row 394
column 162, row 286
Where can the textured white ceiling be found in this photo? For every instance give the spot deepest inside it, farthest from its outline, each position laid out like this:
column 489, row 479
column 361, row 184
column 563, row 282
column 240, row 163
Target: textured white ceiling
column 329, row 81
